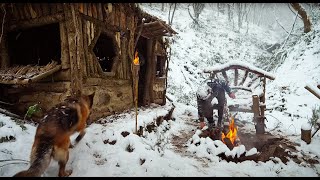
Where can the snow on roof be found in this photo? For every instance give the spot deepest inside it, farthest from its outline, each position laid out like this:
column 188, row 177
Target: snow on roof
column 231, row 64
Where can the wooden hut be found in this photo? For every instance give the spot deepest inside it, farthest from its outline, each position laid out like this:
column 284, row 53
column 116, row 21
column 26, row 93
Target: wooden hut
column 49, row 51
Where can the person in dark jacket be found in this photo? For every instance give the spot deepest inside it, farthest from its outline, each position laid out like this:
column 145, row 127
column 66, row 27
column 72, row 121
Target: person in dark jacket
column 215, row 88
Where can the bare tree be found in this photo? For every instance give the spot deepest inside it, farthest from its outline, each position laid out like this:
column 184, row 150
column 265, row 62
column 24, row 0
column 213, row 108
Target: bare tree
column 305, row 18
column 170, row 17
column 197, row 9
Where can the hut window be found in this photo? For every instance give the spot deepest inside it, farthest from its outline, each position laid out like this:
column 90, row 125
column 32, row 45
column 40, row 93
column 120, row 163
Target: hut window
column 160, row 66
column 35, row 46
column 105, row 51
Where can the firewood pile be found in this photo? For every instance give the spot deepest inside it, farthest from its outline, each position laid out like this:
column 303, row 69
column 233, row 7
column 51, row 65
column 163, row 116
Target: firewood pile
column 15, row 74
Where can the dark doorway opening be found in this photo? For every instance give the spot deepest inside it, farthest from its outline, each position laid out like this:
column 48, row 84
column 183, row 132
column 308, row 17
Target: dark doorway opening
column 35, row 46
column 105, row 52
column 142, row 52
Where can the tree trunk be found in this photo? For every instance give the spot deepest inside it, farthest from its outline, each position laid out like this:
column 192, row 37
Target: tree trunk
column 305, row 18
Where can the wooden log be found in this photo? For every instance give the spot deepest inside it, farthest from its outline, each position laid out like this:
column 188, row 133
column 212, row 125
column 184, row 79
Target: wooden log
column 65, row 59
column 80, row 6
column 37, row 22
column 228, row 143
column 58, row 87
column 148, row 75
column 306, row 135
column 94, row 10
column 99, row 11
column 33, row 13
column 224, row 74
column 153, row 71
column 255, row 106
column 244, row 78
column 26, row 11
column 90, row 49
column 20, row 11
column 10, row 114
column 45, row 9
column 15, row 12
column 41, row 76
column 252, row 81
column 59, row 7
column 312, row 91
column 53, row 8
column 85, row 48
column 4, row 56
column 85, row 8
column 82, row 59
column 243, row 68
column 236, row 77
column 71, row 15
column 89, row 9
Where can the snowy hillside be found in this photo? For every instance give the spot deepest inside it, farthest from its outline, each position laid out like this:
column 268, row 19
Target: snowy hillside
column 215, row 42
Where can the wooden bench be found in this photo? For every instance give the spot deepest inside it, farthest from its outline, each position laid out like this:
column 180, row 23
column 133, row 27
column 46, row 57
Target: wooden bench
column 242, row 76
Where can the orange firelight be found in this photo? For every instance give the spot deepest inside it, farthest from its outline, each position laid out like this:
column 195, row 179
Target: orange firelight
column 232, row 134
column 136, row 59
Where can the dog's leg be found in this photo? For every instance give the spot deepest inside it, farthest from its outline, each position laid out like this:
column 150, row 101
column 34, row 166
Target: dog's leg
column 61, row 154
column 62, row 165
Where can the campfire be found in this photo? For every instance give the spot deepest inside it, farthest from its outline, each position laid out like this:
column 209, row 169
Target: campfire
column 230, row 138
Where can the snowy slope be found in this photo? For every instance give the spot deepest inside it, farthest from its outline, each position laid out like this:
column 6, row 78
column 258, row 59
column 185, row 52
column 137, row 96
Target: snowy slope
column 156, row 154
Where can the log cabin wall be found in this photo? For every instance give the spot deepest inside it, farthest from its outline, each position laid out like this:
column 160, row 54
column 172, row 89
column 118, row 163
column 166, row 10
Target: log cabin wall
column 81, row 26
column 113, row 89
column 53, row 89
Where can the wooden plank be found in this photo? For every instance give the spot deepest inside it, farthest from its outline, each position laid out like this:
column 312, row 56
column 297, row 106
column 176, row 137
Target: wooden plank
column 37, row 9
column 37, row 22
column 85, row 47
column 81, row 48
column 65, row 59
column 15, row 12
column 85, row 8
column 99, row 11
column 224, row 74
column 20, row 11
column 71, row 30
column 312, row 91
column 45, row 9
column 53, row 8
column 236, row 77
column 5, row 60
column 240, row 67
column 255, row 106
column 33, row 13
column 26, row 11
column 59, row 7
column 94, row 10
column 252, row 81
column 244, row 78
column 89, row 9
column 81, row 7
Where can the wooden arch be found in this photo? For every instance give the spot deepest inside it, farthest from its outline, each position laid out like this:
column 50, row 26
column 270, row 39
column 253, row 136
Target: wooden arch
column 248, row 78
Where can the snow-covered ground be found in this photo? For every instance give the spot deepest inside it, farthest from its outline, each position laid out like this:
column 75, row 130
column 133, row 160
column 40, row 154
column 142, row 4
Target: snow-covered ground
column 104, row 150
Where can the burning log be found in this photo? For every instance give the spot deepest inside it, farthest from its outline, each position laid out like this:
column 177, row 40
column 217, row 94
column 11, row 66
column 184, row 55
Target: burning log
column 229, row 143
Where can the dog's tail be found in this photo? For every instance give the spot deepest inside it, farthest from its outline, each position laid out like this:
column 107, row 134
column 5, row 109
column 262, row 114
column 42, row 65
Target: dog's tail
column 40, row 159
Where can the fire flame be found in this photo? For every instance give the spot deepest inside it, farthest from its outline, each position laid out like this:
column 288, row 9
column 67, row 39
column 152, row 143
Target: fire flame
column 232, row 134
column 136, row 59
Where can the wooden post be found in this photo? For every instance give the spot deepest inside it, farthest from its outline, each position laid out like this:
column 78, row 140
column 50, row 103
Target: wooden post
column 135, row 78
column 306, row 135
column 71, row 24
column 148, row 74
